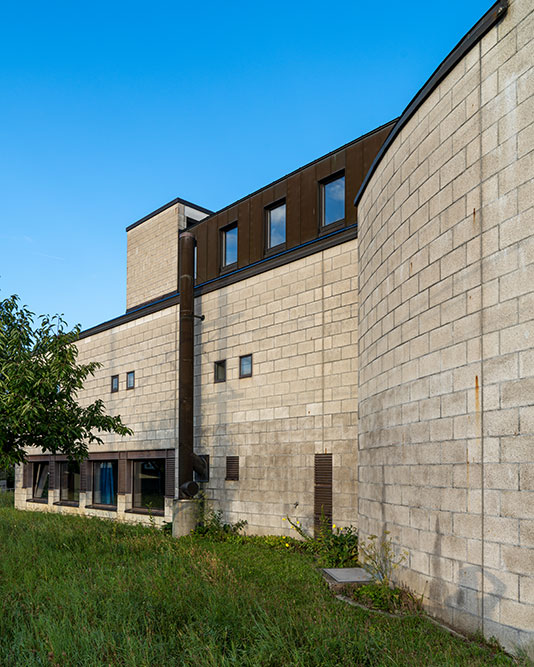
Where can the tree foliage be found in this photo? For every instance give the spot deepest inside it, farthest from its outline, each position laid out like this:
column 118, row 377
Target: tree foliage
column 40, row 379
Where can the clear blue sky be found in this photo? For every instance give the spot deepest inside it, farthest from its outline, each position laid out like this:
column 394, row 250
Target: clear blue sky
column 111, row 109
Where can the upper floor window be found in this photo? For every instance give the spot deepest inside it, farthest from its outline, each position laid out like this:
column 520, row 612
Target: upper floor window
column 276, row 225
column 245, row 366
column 229, row 245
column 130, row 380
column 333, row 200
column 114, row 383
column 220, row 371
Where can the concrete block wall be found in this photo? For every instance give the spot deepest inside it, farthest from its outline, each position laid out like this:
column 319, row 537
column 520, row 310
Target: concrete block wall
column 148, row 346
column 152, row 256
column 446, row 390
column 299, row 322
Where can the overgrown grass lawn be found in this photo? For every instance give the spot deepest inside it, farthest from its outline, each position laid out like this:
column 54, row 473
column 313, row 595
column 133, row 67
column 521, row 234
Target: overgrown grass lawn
column 78, row 591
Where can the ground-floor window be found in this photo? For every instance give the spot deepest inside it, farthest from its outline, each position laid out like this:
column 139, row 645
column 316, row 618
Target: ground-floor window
column 40, row 481
column 105, row 483
column 149, row 484
column 69, row 481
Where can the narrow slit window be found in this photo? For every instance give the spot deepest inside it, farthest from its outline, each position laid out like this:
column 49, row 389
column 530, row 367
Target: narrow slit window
column 130, row 380
column 229, row 245
column 245, row 366
column 333, row 200
column 114, row 383
column 276, row 226
column 220, row 371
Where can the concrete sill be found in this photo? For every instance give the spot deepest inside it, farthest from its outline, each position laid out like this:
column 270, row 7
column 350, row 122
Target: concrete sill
column 107, row 508
column 40, row 501
column 142, row 510
column 67, row 503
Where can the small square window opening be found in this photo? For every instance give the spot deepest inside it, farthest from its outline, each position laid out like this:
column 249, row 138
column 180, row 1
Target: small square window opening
column 220, row 371
column 114, row 383
column 245, row 366
column 130, row 380
column 333, row 200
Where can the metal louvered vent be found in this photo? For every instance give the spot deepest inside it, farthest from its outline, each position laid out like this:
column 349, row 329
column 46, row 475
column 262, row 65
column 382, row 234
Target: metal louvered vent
column 232, row 468
column 322, row 491
column 170, row 467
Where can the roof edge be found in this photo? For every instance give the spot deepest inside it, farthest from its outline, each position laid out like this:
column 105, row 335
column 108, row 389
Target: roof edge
column 295, row 171
column 178, row 200
column 494, row 14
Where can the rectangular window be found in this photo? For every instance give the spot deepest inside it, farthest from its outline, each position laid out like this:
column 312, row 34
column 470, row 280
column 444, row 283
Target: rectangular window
column 149, row 484
column 276, row 226
column 245, row 366
column 69, row 482
column 114, row 383
column 232, row 468
column 40, row 481
column 130, row 380
column 220, row 371
column 229, row 245
column 333, row 200
column 105, row 482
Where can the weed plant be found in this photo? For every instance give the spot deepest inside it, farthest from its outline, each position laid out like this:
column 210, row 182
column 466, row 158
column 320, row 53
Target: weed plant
column 84, row 592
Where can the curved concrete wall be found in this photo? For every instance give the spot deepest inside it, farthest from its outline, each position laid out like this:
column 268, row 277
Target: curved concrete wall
column 446, row 335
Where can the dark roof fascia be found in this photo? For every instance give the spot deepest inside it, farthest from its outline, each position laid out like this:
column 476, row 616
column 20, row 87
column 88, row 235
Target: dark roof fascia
column 319, row 244
column 295, row 171
column 178, row 200
column 133, row 314
column 490, row 18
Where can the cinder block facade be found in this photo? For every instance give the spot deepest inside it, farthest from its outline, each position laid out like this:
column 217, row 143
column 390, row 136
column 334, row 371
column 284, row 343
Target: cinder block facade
column 369, row 353
column 446, row 314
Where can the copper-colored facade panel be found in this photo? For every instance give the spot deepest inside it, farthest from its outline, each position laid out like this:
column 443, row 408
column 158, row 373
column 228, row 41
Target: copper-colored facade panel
column 201, row 235
column 309, row 224
column 353, row 179
column 256, row 228
column 323, row 169
column 293, row 211
column 243, row 234
column 213, row 262
column 337, row 161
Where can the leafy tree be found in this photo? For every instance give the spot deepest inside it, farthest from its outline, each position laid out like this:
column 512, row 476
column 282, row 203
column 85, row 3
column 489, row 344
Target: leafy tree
column 40, row 379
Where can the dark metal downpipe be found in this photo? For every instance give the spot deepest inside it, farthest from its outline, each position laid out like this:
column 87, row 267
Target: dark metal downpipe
column 188, row 488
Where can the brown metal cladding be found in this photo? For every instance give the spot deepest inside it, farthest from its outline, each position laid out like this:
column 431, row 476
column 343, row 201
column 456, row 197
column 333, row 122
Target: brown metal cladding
column 354, row 174
column 84, row 465
column 27, row 475
column 308, row 205
column 243, row 234
column 201, row 235
column 322, row 490
column 256, row 228
column 293, row 211
column 123, row 475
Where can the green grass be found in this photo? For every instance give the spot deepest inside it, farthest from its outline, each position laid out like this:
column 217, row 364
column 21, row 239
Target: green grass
column 79, row 591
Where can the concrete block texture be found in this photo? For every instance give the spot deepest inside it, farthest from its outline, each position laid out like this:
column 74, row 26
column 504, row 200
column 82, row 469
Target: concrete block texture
column 466, row 460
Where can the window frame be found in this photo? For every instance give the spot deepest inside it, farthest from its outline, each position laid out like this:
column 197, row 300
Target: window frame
column 269, row 249
column 128, row 374
column 62, row 488
column 246, row 375
column 41, row 499
column 221, row 364
column 115, row 468
column 321, row 195
column 223, row 245
column 114, row 377
column 143, row 508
